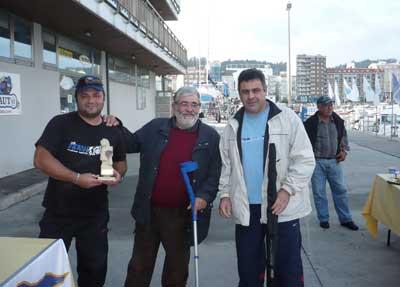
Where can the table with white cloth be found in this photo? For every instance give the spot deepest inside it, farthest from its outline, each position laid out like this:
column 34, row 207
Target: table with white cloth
column 383, row 205
column 34, row 262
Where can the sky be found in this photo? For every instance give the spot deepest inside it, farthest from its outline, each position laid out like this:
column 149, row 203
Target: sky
column 341, row 30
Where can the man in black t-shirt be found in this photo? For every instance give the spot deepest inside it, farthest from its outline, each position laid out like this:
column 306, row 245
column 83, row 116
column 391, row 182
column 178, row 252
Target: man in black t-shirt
column 76, row 199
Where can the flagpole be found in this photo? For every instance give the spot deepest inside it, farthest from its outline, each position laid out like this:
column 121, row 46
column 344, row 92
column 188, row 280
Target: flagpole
column 363, row 109
column 392, row 126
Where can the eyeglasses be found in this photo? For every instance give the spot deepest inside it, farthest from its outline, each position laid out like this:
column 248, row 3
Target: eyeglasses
column 255, row 91
column 185, row 105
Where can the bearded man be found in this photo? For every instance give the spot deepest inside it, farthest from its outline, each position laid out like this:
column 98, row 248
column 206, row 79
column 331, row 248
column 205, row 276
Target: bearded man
column 160, row 208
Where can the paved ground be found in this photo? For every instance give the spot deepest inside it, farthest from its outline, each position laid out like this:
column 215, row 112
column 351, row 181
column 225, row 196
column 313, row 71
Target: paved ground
column 334, row 257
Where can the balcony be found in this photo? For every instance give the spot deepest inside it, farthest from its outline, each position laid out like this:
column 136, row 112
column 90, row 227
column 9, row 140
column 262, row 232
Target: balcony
column 168, row 9
column 125, row 28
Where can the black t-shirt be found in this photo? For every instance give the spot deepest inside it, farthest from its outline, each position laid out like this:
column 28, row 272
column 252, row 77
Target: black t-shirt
column 76, row 144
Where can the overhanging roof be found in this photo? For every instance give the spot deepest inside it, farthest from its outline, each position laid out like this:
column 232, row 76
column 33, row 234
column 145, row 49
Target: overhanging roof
column 70, row 18
column 166, row 9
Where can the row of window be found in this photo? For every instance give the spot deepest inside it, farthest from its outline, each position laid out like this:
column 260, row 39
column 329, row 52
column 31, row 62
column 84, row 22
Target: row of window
column 72, row 58
column 62, row 53
column 15, row 38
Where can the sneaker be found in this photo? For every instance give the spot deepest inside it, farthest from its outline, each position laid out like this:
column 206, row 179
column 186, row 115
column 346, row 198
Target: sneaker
column 350, row 225
column 324, row 224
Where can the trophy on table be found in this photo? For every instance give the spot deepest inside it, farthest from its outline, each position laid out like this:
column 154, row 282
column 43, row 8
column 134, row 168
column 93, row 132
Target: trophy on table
column 106, row 154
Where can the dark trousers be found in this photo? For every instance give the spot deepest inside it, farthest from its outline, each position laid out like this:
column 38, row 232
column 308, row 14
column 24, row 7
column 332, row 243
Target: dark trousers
column 250, row 248
column 169, row 227
column 91, row 243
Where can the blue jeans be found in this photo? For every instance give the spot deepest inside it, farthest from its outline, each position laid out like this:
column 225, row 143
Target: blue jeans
column 329, row 169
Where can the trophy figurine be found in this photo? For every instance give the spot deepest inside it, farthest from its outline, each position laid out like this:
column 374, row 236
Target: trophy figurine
column 106, row 154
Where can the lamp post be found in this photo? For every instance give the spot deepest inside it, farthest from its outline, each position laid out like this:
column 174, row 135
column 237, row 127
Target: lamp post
column 288, row 7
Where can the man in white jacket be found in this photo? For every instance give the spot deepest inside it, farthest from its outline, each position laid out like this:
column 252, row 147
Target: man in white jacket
column 267, row 163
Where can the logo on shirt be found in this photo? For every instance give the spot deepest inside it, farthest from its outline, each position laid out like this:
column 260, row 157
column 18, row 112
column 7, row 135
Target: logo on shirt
column 48, row 280
column 253, row 139
column 83, row 149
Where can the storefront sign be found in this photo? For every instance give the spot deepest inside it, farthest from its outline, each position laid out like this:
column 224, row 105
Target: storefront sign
column 65, row 52
column 10, row 94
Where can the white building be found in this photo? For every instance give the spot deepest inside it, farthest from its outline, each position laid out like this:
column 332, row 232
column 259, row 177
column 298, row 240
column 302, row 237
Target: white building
column 46, row 45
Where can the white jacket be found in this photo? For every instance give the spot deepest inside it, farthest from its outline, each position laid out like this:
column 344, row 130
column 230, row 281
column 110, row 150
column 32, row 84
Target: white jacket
column 294, row 164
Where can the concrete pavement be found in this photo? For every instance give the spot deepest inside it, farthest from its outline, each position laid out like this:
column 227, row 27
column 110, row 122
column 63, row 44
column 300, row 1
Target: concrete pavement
column 333, row 257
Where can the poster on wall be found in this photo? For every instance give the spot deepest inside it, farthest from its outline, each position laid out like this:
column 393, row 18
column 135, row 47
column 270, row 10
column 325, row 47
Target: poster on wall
column 10, row 94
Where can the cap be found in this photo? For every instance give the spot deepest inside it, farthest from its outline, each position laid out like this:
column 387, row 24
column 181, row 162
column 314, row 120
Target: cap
column 324, row 100
column 89, row 82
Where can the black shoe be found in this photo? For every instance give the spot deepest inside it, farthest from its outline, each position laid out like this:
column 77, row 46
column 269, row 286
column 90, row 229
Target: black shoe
column 350, row 225
column 324, row 224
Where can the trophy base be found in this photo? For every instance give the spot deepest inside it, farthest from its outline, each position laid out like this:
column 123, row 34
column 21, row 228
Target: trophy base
column 106, row 178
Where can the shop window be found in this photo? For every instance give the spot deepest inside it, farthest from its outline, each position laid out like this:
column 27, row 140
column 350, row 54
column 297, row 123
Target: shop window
column 77, row 58
column 5, row 41
column 143, row 89
column 22, row 39
column 144, row 77
column 67, row 93
column 15, row 39
column 121, row 71
column 49, row 48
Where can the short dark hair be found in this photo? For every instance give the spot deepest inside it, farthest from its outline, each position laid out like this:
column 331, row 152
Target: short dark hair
column 252, row 74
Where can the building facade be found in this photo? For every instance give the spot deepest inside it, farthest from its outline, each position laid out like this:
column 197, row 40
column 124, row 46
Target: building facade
column 337, row 76
column 311, row 77
column 388, row 70
column 45, row 46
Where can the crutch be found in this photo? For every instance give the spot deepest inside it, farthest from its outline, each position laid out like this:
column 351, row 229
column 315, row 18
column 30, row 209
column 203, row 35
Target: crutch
column 187, row 167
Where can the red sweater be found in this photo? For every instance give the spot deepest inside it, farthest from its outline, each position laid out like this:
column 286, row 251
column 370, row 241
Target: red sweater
column 169, row 188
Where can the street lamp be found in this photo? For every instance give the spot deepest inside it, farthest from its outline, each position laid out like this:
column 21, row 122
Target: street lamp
column 288, row 7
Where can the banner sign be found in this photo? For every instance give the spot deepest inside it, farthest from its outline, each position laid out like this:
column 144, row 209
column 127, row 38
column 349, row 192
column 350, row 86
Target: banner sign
column 50, row 268
column 10, row 94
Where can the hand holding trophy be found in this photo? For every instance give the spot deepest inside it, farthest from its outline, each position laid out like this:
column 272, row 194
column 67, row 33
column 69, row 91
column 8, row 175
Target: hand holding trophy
column 106, row 169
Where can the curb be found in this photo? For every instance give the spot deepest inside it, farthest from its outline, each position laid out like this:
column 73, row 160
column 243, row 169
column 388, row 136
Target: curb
column 23, row 194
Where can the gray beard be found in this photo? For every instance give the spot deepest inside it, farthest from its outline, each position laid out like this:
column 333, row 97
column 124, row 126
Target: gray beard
column 185, row 123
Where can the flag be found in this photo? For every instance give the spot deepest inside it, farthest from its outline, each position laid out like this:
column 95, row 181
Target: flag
column 368, row 92
column 346, row 89
column 337, row 98
column 330, row 91
column 395, row 88
column 355, row 95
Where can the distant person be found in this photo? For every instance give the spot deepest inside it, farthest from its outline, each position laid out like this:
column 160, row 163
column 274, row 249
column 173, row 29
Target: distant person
column 76, row 201
column 328, row 137
column 160, row 207
column 267, row 163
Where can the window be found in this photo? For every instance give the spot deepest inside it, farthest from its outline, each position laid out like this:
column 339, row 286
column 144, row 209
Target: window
column 15, row 38
column 49, row 48
column 77, row 58
column 121, row 71
column 143, row 89
column 5, row 42
column 22, row 39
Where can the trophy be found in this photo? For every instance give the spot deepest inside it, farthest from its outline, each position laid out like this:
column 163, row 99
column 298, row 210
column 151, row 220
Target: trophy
column 106, row 154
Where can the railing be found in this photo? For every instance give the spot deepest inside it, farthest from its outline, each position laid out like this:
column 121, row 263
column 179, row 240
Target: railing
column 147, row 20
column 176, row 5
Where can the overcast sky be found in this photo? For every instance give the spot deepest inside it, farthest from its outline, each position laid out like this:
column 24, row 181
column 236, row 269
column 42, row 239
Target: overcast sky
column 342, row 30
